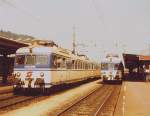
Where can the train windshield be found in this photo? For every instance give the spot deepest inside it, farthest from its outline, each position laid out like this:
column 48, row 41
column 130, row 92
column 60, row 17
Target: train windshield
column 109, row 66
column 104, row 66
column 116, row 66
column 27, row 60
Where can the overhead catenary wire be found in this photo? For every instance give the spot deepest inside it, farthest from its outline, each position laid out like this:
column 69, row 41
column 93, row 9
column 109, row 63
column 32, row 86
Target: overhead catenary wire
column 20, row 10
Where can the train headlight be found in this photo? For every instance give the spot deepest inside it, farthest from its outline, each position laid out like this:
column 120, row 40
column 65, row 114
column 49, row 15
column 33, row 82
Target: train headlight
column 18, row 74
column 42, row 74
column 29, row 74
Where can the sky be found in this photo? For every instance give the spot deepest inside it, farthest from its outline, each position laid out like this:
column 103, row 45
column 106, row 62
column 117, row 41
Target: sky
column 101, row 26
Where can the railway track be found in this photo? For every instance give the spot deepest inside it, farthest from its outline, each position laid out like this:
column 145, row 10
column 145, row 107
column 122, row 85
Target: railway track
column 8, row 99
column 13, row 100
column 95, row 104
column 6, row 96
column 5, row 91
column 109, row 104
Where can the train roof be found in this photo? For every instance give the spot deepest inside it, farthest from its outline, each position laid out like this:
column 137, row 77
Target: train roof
column 38, row 49
column 111, row 59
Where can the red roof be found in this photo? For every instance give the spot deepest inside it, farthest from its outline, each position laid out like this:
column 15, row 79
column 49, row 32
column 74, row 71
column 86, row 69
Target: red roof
column 144, row 58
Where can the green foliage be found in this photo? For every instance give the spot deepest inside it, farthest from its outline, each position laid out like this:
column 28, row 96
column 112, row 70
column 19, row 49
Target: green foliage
column 14, row 36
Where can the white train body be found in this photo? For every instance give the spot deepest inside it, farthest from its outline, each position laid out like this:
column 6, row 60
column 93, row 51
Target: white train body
column 43, row 67
column 112, row 69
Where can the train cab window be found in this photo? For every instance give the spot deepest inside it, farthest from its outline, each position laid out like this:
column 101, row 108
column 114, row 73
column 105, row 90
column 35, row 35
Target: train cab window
column 41, row 59
column 20, row 59
column 30, row 60
column 104, row 66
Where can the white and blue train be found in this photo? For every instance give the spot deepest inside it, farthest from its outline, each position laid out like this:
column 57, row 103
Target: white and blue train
column 41, row 67
column 112, row 69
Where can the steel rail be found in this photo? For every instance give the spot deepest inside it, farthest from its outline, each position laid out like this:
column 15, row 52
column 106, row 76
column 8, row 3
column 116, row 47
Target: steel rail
column 79, row 100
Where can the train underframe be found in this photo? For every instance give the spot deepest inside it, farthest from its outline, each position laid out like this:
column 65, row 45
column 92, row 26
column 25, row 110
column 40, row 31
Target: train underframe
column 47, row 88
column 116, row 80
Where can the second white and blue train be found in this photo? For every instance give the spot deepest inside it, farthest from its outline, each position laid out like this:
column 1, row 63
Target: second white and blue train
column 112, row 69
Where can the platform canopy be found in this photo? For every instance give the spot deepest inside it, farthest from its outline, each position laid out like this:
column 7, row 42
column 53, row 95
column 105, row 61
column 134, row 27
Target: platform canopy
column 134, row 61
column 131, row 60
column 8, row 46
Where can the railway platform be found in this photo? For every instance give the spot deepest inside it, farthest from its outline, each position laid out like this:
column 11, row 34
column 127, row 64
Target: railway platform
column 6, row 89
column 134, row 99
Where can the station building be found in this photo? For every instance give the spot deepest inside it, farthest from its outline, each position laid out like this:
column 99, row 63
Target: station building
column 138, row 66
column 8, row 48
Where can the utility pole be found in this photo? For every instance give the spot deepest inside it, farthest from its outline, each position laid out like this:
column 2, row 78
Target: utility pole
column 74, row 41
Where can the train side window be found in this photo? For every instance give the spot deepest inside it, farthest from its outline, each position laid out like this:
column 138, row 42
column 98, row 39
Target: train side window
column 92, row 66
column 73, row 64
column 83, row 66
column 54, row 61
column 59, row 60
column 63, row 63
column 79, row 65
column 69, row 64
column 76, row 64
column 86, row 66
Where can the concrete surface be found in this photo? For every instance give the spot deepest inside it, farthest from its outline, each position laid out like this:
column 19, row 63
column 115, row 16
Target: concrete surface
column 134, row 99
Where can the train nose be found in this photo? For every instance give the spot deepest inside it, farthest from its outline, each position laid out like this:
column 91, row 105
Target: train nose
column 28, row 82
column 39, row 82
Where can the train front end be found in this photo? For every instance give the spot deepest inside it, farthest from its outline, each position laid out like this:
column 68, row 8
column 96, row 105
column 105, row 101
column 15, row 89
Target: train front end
column 31, row 71
column 111, row 72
